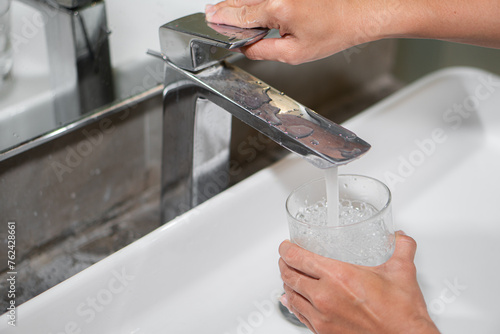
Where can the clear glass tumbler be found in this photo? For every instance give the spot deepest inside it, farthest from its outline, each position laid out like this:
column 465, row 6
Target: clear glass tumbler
column 5, row 43
column 363, row 235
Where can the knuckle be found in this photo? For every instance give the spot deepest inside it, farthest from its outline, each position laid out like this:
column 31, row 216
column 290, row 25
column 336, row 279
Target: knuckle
column 285, row 275
column 278, row 8
column 241, row 15
column 292, row 297
column 284, row 58
column 293, row 61
column 291, row 278
column 322, row 303
column 289, row 55
column 313, row 266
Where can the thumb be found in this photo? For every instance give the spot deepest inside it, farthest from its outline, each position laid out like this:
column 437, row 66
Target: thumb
column 405, row 249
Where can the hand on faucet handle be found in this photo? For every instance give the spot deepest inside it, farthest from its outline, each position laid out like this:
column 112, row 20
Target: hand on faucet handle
column 307, row 32
column 312, row 30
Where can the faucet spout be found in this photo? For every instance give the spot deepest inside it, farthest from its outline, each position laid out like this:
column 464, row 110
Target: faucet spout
column 196, row 147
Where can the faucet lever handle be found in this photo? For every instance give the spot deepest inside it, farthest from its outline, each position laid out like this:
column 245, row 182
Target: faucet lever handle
column 193, row 44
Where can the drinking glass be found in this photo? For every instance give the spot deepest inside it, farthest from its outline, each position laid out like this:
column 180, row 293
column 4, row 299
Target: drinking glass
column 364, row 233
column 5, row 44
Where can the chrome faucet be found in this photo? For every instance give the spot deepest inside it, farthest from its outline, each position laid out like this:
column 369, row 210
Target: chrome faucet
column 78, row 51
column 201, row 93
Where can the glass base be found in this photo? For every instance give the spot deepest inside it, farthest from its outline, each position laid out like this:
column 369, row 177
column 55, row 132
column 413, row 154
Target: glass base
column 289, row 316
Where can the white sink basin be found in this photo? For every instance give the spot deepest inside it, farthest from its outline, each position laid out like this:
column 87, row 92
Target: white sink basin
column 214, row 270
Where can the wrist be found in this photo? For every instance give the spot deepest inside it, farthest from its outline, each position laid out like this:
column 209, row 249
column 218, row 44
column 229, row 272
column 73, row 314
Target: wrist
column 375, row 20
column 427, row 326
column 405, row 19
column 416, row 321
column 398, row 18
column 422, row 324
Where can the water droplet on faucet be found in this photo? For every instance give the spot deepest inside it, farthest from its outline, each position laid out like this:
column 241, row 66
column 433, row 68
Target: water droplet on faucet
column 299, row 131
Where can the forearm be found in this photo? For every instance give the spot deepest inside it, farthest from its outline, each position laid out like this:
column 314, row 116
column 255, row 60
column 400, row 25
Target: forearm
column 465, row 21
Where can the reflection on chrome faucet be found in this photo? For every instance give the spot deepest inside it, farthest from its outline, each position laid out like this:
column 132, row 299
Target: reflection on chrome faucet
column 202, row 92
column 78, row 49
column 5, row 43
